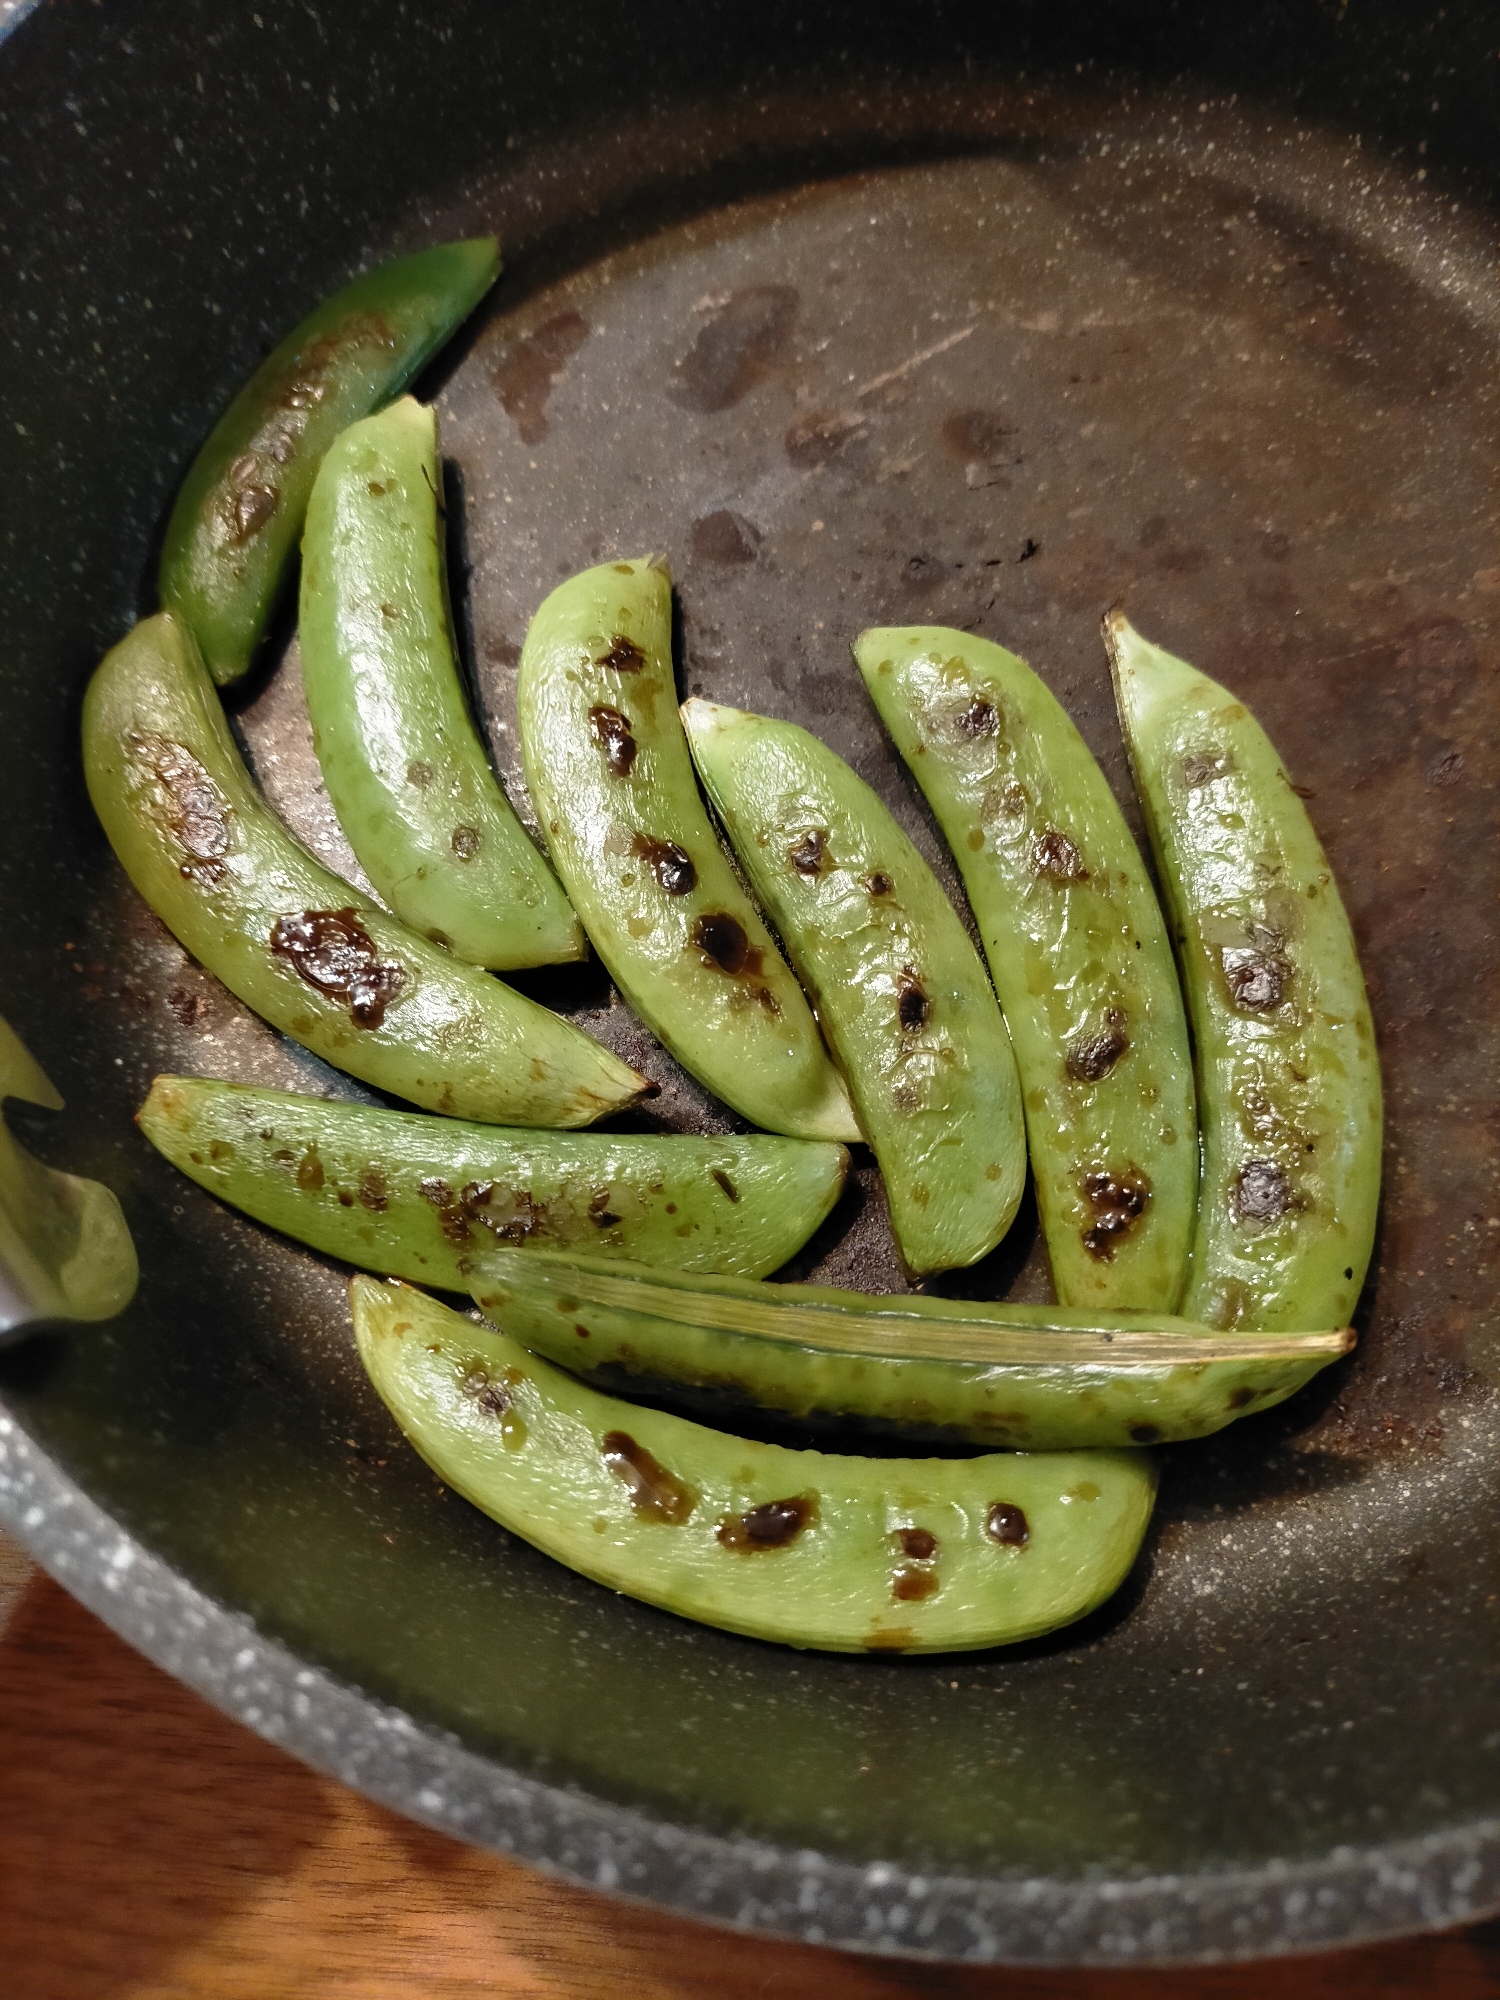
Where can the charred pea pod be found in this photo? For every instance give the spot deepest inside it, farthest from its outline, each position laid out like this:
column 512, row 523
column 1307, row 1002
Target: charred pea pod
column 406, row 771
column 304, row 950
column 234, row 527
column 899, row 987
column 1288, row 1076
column 943, row 1371
column 420, row 1197
column 613, row 786
column 841, row 1553
column 1078, row 951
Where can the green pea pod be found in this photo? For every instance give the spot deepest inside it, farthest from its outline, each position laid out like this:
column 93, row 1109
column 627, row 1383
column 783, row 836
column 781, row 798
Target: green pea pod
column 1025, row 1377
column 234, row 527
column 1078, row 951
column 845, row 1554
column 1288, row 1076
column 419, row 1197
column 898, row 986
column 613, row 786
column 308, row 953
column 405, row 769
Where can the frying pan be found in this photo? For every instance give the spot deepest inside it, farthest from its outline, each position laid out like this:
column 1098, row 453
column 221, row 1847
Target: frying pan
column 988, row 316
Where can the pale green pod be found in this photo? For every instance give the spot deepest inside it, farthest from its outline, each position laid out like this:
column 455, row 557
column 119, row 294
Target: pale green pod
column 1078, row 951
column 844, row 1554
column 421, row 1197
column 306, row 951
column 1025, row 1377
column 405, row 768
column 613, row 786
column 899, row 987
column 1288, row 1076
column 233, row 530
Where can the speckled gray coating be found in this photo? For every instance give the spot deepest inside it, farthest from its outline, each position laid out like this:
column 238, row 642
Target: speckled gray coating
column 1225, row 364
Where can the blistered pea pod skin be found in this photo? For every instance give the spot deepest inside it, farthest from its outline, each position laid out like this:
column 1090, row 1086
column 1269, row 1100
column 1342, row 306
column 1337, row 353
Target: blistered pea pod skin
column 926, row 1370
column 613, row 786
column 899, row 988
column 402, row 759
column 234, row 527
column 307, row 952
column 1078, row 951
column 420, row 1197
column 1289, row 1096
column 845, row 1554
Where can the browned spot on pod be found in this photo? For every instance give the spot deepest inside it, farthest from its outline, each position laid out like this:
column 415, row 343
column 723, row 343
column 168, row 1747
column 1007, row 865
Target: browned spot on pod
column 912, row 1582
column 721, row 939
column 310, row 1171
column 1262, row 1192
column 465, row 842
column 1118, row 1201
column 1057, row 858
column 420, row 773
column 1091, row 1057
column 655, row 1493
column 195, row 812
column 878, row 884
column 1257, row 973
column 600, row 1213
column 917, row 1544
column 373, row 1191
column 1201, row 767
column 334, row 954
column 1242, row 1398
column 809, row 854
column 891, row 1639
column 980, row 718
column 612, row 733
column 774, row 1524
column 1146, row 1433
column 670, row 864
column 913, row 1007
column 1006, row 1524
column 725, row 1183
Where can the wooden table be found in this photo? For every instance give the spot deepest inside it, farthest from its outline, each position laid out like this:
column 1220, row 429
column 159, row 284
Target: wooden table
column 150, row 1849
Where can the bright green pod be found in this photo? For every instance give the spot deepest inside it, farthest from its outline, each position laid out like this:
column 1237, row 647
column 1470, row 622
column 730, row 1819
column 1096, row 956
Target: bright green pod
column 234, row 527
column 1025, row 1377
column 1288, row 1076
column 405, row 768
column 1078, row 951
column 846, row 1554
column 419, row 1197
column 309, row 954
column 613, row 786
column 898, row 985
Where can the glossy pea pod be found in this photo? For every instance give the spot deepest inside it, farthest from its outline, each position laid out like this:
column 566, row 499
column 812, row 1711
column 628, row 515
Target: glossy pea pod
column 1288, row 1077
column 234, row 527
column 898, row 985
column 405, row 768
column 303, row 949
column 613, row 785
column 841, row 1553
column 945, row 1371
column 421, row 1197
column 1078, row 951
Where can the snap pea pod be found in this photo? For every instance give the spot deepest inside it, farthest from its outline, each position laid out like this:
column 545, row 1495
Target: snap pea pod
column 234, row 527
column 1028, row 1377
column 308, row 953
column 1288, row 1076
column 405, row 769
column 419, row 1197
column 613, row 786
column 1078, row 951
column 844, row 1554
column 899, row 987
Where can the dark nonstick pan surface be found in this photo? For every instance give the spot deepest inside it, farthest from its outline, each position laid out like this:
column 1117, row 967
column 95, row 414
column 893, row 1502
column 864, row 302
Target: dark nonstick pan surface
column 930, row 315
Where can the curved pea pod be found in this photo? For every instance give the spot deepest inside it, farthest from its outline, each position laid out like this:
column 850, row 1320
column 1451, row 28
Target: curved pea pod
column 845, row 1554
column 898, row 985
column 1078, row 951
column 234, row 527
column 1023, row 1377
column 420, row 1197
column 1288, row 1076
column 613, row 786
column 308, row 953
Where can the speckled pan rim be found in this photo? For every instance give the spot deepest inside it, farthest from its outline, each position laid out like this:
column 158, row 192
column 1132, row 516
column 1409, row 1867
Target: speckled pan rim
column 1352, row 1896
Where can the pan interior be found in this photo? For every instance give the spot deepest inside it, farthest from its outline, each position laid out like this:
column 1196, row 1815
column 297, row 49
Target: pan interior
column 1216, row 367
